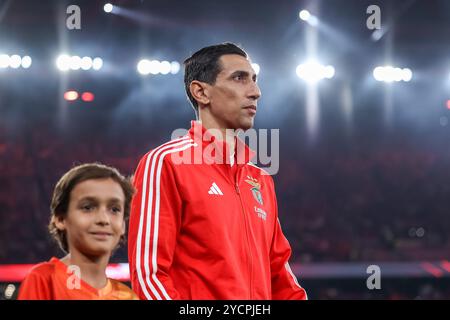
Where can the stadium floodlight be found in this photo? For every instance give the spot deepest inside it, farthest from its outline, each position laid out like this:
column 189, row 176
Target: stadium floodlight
column 174, row 67
column 378, row 73
column 256, row 67
column 312, row 71
column 328, row 72
column 154, row 67
column 97, row 63
column 108, row 8
column 4, row 61
column 26, row 62
column 15, row 61
column 392, row 74
column 407, row 75
column 165, row 67
column 86, row 63
column 75, row 62
column 63, row 62
column 304, row 15
column 143, row 67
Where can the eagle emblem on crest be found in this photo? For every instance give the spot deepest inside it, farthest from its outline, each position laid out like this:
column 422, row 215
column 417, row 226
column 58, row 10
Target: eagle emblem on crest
column 256, row 187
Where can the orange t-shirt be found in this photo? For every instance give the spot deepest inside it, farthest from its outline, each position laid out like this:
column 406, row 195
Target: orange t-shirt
column 50, row 281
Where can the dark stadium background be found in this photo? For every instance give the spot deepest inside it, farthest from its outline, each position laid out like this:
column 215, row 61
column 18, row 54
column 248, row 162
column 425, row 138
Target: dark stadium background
column 365, row 183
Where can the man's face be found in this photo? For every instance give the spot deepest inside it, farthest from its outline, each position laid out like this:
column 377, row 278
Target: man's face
column 95, row 219
column 234, row 95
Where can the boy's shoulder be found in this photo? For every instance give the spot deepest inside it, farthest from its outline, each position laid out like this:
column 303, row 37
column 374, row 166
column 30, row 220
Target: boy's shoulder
column 44, row 269
column 122, row 291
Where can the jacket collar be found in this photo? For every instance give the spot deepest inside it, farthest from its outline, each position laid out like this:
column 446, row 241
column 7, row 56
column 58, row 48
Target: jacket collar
column 217, row 150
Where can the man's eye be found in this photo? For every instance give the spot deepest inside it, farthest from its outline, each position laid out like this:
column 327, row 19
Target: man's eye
column 238, row 78
column 87, row 207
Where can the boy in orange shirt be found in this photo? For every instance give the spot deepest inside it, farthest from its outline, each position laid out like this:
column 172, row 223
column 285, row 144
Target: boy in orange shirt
column 89, row 208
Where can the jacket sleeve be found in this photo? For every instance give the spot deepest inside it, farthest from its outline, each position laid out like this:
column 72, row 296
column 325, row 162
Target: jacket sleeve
column 154, row 226
column 285, row 285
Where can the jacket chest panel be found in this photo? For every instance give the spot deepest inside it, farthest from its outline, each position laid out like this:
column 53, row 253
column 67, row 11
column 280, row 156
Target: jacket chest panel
column 210, row 198
column 213, row 203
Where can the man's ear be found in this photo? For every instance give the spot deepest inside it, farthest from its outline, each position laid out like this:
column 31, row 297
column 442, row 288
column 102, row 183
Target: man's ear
column 59, row 222
column 200, row 91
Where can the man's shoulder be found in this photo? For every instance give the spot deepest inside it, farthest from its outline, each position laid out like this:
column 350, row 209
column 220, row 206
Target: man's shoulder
column 177, row 145
column 252, row 167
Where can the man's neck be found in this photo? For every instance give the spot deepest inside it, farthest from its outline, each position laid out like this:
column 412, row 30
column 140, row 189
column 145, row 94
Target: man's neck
column 220, row 132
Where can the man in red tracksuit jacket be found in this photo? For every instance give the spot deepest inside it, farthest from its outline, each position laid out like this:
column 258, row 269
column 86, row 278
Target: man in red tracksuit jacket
column 204, row 221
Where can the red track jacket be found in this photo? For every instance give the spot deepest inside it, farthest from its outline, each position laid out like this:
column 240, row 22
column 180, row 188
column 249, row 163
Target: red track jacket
column 206, row 230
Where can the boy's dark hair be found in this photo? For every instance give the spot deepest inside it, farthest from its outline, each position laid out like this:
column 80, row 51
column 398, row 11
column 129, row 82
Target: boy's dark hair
column 204, row 66
column 65, row 185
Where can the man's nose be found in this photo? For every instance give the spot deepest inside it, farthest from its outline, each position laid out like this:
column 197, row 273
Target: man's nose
column 255, row 92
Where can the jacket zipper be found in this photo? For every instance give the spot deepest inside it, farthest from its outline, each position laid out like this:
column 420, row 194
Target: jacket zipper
column 246, row 233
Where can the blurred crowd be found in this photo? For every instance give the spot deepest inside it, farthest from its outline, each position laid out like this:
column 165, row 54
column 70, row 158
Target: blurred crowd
column 381, row 205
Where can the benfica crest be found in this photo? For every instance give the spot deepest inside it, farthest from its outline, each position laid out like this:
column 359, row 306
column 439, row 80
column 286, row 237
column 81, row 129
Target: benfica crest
column 256, row 186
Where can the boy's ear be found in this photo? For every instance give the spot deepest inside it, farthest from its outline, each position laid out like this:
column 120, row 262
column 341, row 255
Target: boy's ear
column 59, row 222
column 200, row 91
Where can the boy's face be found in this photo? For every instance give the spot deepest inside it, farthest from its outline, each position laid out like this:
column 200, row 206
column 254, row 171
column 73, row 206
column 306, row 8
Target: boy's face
column 95, row 219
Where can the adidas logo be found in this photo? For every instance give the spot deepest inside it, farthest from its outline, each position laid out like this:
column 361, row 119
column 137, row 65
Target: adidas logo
column 214, row 189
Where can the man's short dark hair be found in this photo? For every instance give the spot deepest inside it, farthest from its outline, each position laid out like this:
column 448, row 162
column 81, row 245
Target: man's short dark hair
column 204, row 66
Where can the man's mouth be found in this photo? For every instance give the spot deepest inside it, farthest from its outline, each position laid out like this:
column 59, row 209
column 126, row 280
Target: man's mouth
column 251, row 109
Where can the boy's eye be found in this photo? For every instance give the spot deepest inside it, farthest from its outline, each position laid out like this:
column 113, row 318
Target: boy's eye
column 87, row 207
column 116, row 209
